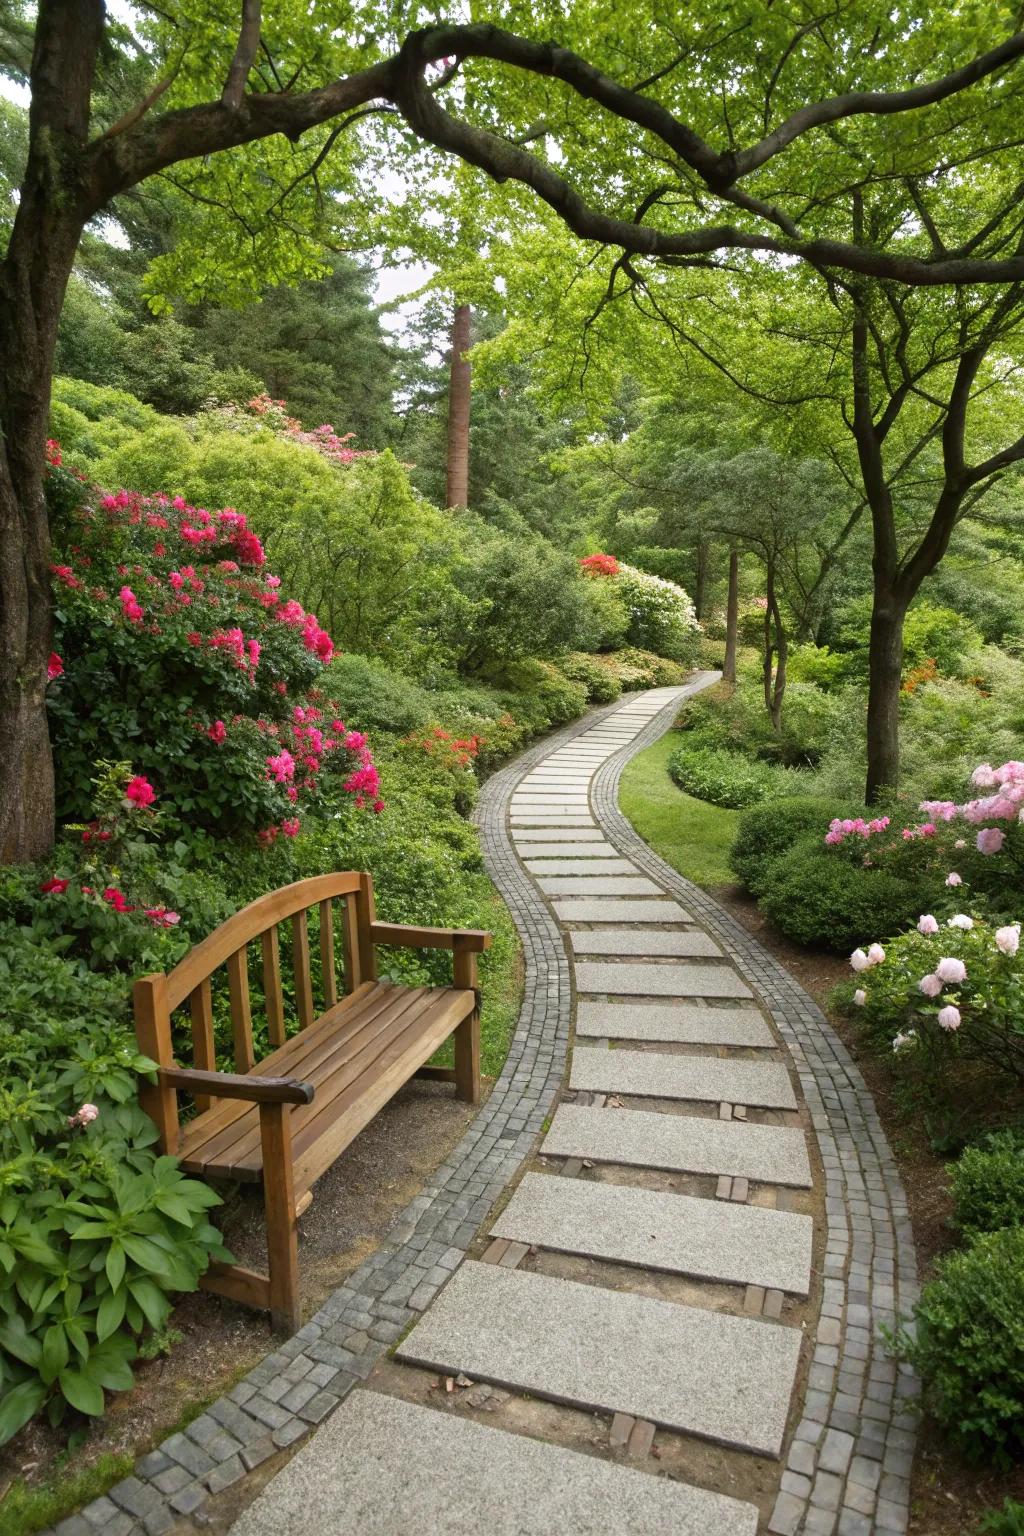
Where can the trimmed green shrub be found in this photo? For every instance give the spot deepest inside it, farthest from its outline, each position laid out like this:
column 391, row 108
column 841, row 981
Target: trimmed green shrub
column 373, row 697
column 766, row 832
column 1008, row 1521
column 988, row 1185
column 969, row 1346
column 601, row 683
column 814, row 898
column 724, row 778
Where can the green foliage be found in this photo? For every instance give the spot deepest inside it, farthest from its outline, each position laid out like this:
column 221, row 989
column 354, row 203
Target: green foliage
column 97, row 1232
column 539, row 693
column 969, row 1347
column 691, row 835
column 1008, row 1521
column 764, row 833
column 987, row 1184
column 635, row 668
column 723, row 777
column 601, row 683
column 815, row 898
column 930, row 633
column 606, row 619
column 372, row 696
column 661, row 616
column 527, row 599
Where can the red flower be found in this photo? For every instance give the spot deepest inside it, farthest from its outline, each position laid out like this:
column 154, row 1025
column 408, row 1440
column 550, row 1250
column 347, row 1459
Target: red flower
column 140, row 791
column 117, row 899
column 54, row 887
column 54, row 667
column 217, row 731
column 600, row 565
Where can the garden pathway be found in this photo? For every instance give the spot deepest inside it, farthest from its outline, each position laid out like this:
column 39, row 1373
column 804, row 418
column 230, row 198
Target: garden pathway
column 667, row 1262
column 646, row 1300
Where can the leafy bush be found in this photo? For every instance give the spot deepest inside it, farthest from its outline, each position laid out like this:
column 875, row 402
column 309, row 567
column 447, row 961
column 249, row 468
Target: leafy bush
column 601, row 683
column 814, row 898
column 96, row 1231
column 767, row 832
column 373, row 697
column 526, row 599
column 606, row 619
column 1008, row 1521
column 930, row 633
column 539, row 694
column 722, row 777
column 988, row 1185
column 969, row 1346
column 172, row 639
column 633, row 668
column 660, row 613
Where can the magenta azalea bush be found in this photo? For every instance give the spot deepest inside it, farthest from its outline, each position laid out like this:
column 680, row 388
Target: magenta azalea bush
column 174, row 644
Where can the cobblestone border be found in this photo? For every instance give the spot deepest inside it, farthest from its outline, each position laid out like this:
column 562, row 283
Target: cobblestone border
column 849, row 1462
column 299, row 1384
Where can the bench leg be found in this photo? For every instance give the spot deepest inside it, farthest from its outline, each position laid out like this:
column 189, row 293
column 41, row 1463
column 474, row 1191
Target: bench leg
column 467, row 1058
column 282, row 1224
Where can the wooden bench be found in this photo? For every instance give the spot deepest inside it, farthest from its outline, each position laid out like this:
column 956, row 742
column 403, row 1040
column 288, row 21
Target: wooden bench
column 284, row 1120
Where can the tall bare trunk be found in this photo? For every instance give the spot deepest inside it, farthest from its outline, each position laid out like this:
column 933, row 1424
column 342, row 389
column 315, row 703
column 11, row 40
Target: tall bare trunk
column 459, row 388
column 885, row 664
column 732, row 617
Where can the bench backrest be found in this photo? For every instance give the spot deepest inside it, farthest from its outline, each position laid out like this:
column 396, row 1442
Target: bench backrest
column 158, row 995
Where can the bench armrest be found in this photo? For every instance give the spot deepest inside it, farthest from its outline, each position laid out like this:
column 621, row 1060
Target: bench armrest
column 235, row 1085
column 472, row 940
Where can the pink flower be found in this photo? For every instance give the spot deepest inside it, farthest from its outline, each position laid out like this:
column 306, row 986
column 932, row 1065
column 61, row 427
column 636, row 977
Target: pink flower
column 859, row 960
column 954, row 879
column 140, row 791
column 160, row 917
column 950, row 969
column 984, row 777
column 84, row 1116
column 961, row 920
column 130, row 607
column 281, row 767
column 354, row 740
column 931, row 986
column 290, row 827
column 1008, row 938
column 58, row 887
column 876, row 954
column 927, row 924
column 54, row 667
column 117, row 899
column 377, row 807
column 949, row 1017
column 990, row 840
column 176, row 580
column 217, row 731
column 860, row 997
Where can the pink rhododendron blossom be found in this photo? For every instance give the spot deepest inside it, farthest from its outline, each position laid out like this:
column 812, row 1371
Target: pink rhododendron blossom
column 1008, row 938
column 176, row 580
column 139, row 791
column 984, row 777
column 860, row 997
column 58, row 887
column 859, row 960
column 117, row 899
column 954, row 879
column 939, row 810
column 160, row 917
column 990, row 840
column 876, row 954
column 130, row 606
column 54, row 667
column 290, row 828
column 217, row 731
column 281, row 767
column 927, row 924
column 950, row 969
column 930, row 985
column 961, row 920
column 949, row 1017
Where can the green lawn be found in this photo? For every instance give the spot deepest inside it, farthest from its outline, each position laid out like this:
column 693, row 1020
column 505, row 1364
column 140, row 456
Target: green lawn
column 692, row 836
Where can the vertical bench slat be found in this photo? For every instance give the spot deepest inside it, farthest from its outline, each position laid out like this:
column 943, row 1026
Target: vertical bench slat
column 366, row 913
column 330, row 980
column 274, row 1000
column 303, row 979
column 241, row 1016
column 153, row 1032
column 204, row 1051
column 353, row 958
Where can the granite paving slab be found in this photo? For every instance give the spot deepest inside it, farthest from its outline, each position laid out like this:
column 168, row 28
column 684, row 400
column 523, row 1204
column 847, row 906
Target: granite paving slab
column 641, row 941
column 552, row 819
column 610, row 909
column 525, row 835
column 724, row 1378
column 558, row 850
column 597, row 885
column 385, row 1467
column 656, row 1229
column 655, row 1075
column 641, row 1138
column 656, row 980
column 579, row 866
column 675, row 1023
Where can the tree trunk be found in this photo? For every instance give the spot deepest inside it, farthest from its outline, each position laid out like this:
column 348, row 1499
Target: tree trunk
column 732, row 617
column 52, row 210
column 885, row 668
column 459, row 384
column 776, row 647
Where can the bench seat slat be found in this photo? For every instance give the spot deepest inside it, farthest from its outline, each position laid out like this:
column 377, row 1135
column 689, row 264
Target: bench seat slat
column 355, row 1064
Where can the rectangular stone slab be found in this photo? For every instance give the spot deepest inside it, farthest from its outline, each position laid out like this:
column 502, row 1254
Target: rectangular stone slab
column 724, row 1378
column 596, row 885
column 526, row 835
column 709, row 1239
column 383, row 1467
column 600, row 850
column 616, row 866
column 657, row 1075
column 658, row 980
column 675, row 1023
column 613, row 910
column 641, row 1138
column 640, row 941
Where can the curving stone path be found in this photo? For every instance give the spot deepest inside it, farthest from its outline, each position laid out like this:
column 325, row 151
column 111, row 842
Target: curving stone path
column 657, row 1307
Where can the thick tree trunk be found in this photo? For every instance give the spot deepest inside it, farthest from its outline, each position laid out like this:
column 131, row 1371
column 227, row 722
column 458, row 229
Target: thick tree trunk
column 885, row 666
column 776, row 650
column 459, row 387
column 732, row 617
column 52, row 211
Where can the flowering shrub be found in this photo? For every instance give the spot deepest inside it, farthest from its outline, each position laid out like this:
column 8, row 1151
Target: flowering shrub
column 661, row 615
column 172, row 637
column 274, row 414
column 599, row 565
column 949, row 985
column 96, row 1230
